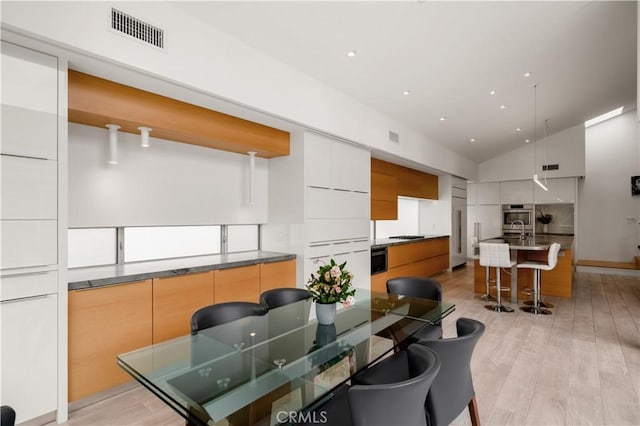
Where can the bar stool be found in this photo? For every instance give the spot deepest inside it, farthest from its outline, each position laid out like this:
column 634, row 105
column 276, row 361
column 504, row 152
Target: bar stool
column 552, row 261
column 496, row 256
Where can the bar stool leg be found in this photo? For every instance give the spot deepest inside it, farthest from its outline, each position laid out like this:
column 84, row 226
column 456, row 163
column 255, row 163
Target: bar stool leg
column 536, row 308
column 487, row 280
column 498, row 307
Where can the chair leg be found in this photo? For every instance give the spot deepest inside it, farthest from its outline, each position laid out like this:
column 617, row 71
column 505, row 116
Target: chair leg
column 473, row 412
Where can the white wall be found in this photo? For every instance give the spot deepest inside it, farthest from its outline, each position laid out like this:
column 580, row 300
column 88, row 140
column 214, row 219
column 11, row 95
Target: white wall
column 224, row 67
column 435, row 215
column 566, row 148
column 604, row 196
column 169, row 183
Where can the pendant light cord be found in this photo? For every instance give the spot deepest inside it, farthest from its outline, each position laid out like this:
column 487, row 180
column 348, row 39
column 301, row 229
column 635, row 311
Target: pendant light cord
column 535, row 120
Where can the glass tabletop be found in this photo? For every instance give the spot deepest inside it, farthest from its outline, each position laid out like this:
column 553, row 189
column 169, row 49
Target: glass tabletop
column 247, row 370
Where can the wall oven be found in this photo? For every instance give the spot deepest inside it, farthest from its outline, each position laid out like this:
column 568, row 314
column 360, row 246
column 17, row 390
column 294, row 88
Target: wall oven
column 512, row 214
column 378, row 260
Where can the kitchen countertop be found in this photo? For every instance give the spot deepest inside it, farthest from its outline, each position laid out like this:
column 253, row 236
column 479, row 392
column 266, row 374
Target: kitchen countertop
column 537, row 242
column 386, row 242
column 98, row 276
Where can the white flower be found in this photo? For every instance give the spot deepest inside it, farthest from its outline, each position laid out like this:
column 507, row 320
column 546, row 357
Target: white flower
column 335, row 271
column 350, row 301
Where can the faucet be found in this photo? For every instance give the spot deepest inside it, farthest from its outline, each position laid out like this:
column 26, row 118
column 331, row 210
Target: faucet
column 522, row 237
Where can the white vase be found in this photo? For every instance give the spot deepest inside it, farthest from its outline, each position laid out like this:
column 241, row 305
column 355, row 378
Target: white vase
column 326, row 313
column 545, row 228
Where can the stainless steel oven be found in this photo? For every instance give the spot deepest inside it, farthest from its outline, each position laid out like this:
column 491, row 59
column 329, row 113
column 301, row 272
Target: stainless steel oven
column 378, row 260
column 517, row 218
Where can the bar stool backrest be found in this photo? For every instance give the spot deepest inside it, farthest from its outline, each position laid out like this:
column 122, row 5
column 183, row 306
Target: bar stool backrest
column 554, row 249
column 495, row 255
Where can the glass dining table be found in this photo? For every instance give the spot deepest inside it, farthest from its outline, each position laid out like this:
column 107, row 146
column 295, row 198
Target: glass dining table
column 260, row 369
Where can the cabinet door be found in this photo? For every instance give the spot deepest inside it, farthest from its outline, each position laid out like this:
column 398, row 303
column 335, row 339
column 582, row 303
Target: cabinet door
column 29, row 103
column 487, row 193
column 334, row 204
column 27, row 243
column 317, row 160
column 103, row 323
column 237, row 284
column 277, row 275
column 490, row 223
column 516, row 192
column 350, row 167
column 29, row 355
column 175, row 299
column 561, row 190
column 384, row 197
column 29, row 188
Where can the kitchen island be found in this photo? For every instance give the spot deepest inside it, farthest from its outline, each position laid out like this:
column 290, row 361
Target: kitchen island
column 557, row 282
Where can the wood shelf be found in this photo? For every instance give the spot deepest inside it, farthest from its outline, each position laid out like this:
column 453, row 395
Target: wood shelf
column 96, row 102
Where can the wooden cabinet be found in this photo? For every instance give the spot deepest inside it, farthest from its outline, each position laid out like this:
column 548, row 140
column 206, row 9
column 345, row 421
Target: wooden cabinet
column 175, row 299
column 389, row 180
column 420, row 259
column 277, row 275
column 237, row 284
column 103, row 323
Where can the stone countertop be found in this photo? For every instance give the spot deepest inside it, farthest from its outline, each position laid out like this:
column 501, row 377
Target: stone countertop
column 386, row 242
column 98, row 276
column 537, row 242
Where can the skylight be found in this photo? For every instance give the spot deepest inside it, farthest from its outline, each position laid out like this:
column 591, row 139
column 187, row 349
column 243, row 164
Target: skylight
column 603, row 117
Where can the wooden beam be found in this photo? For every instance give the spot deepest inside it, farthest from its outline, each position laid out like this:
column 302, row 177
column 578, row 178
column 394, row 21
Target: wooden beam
column 96, row 102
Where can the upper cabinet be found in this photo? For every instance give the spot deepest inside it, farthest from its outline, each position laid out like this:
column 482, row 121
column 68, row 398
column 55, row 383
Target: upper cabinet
column 389, row 180
column 336, row 165
column 29, row 103
column 483, row 193
column 561, row 190
column 96, row 102
column 516, row 192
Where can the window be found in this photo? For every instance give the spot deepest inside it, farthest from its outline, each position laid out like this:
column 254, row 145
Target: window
column 164, row 242
column 242, row 238
column 91, row 247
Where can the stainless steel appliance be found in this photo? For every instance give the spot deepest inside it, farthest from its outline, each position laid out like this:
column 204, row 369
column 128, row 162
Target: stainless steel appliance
column 458, row 231
column 517, row 219
column 378, row 260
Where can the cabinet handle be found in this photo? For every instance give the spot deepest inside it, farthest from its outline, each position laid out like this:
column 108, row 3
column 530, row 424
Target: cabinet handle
column 22, row 299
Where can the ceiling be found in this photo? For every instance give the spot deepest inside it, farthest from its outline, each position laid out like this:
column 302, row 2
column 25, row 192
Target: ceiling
column 450, row 56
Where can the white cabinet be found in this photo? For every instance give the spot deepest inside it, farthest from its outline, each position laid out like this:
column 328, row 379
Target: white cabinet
column 483, row 222
column 29, row 103
column 516, row 192
column 29, row 188
column 332, row 204
column 488, row 193
column 333, row 164
column 29, row 355
column 561, row 190
column 26, row 243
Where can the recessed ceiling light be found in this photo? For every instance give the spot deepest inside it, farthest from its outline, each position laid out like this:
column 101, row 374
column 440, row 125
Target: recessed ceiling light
column 527, row 140
column 518, row 129
column 443, row 118
column 493, row 92
column 406, row 92
column 503, row 106
column 351, row 53
column 472, row 140
column 527, row 74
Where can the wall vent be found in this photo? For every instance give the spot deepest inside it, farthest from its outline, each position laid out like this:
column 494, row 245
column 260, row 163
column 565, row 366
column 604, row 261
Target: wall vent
column 394, row 137
column 136, row 28
column 550, row 167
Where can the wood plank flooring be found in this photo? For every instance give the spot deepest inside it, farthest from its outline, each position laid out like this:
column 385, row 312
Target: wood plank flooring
column 578, row 366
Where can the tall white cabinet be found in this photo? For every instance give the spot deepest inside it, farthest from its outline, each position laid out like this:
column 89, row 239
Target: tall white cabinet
column 483, row 213
column 29, row 256
column 319, row 205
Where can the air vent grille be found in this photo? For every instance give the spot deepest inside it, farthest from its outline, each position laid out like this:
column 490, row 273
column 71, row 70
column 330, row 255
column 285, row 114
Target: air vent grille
column 136, row 28
column 394, row 137
column 550, row 167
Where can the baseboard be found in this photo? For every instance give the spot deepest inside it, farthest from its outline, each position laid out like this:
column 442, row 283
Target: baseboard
column 608, row 271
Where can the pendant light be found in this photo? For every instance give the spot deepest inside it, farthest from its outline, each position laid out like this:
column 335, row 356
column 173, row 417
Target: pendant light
column 144, row 136
column 536, row 179
column 113, row 143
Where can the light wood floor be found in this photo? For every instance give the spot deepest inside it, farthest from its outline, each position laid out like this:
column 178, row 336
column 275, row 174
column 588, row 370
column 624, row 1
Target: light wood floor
column 579, row 366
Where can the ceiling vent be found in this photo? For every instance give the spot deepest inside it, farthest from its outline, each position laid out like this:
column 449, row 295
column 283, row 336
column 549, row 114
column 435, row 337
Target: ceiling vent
column 394, row 137
column 136, row 28
column 550, row 167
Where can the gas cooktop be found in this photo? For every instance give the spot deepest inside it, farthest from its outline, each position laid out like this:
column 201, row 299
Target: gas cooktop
column 408, row 237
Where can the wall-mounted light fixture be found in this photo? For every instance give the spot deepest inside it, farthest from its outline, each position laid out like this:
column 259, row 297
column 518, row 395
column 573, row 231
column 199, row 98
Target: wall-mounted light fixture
column 113, row 143
column 252, row 177
column 144, row 136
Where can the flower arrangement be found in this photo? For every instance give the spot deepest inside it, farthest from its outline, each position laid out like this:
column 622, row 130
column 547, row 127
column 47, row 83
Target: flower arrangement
column 332, row 284
column 544, row 218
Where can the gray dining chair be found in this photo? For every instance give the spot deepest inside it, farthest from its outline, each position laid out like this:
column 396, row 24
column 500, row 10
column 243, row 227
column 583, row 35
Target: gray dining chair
column 452, row 390
column 221, row 313
column 425, row 288
column 7, row 416
column 397, row 403
column 277, row 297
